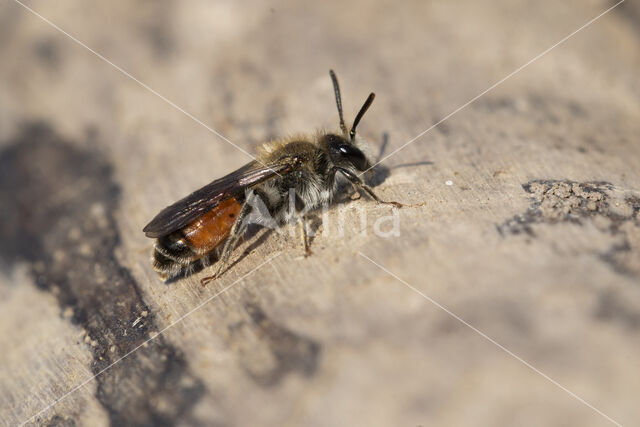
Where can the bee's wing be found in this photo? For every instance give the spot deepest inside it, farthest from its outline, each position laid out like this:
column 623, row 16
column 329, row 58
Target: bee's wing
column 201, row 201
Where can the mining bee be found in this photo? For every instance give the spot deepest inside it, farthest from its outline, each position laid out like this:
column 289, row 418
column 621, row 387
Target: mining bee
column 213, row 218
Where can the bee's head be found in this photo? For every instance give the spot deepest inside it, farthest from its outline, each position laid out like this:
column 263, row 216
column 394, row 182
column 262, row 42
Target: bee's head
column 344, row 153
column 346, row 150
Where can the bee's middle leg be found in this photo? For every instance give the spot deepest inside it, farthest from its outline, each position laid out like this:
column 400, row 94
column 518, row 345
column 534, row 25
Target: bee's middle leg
column 304, row 235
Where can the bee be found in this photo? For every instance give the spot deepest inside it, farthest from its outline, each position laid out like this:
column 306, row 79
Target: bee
column 305, row 167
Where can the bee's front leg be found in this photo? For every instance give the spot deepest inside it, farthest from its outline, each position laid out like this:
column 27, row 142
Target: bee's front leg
column 358, row 183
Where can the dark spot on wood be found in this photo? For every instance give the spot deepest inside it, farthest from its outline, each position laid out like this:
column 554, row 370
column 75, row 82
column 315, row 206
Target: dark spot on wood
column 496, row 103
column 48, row 52
column 634, row 202
column 443, row 128
column 291, row 351
column 630, row 12
column 57, row 204
column 613, row 308
column 156, row 28
column 58, row 421
column 577, row 110
column 593, row 143
column 159, row 40
column 613, row 256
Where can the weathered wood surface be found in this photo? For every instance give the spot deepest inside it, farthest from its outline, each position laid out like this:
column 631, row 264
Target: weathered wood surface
column 536, row 242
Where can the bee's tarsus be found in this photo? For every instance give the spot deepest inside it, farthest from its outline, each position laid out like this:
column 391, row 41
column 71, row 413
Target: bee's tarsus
column 396, row 204
column 205, row 280
column 404, row 205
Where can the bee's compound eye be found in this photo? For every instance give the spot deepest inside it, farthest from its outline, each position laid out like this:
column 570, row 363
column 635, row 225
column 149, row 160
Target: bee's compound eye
column 354, row 155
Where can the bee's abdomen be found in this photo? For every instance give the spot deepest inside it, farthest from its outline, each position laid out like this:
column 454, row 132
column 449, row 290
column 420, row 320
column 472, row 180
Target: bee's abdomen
column 187, row 248
column 172, row 254
column 176, row 247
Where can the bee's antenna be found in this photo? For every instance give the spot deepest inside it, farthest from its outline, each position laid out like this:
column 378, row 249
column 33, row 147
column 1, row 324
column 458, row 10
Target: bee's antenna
column 336, row 91
column 363, row 110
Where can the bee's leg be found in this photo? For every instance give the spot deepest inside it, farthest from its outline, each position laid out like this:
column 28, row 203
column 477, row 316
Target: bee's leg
column 236, row 232
column 358, row 183
column 356, row 192
column 302, row 224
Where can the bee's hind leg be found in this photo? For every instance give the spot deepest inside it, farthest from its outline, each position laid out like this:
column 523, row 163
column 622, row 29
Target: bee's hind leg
column 236, row 232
